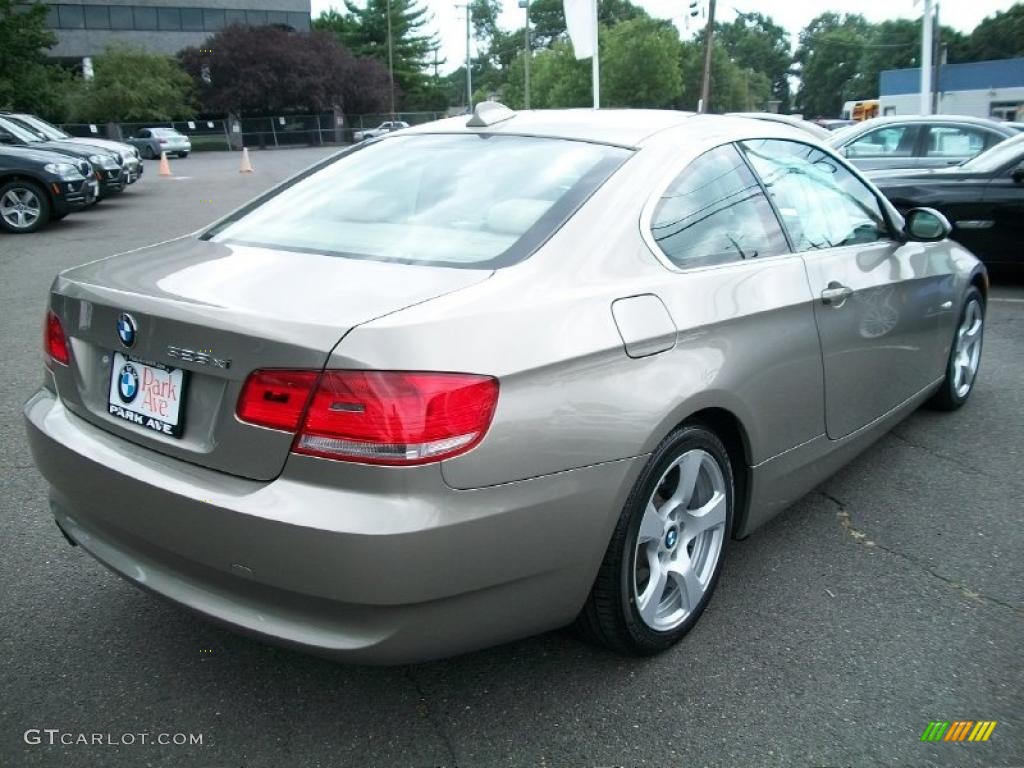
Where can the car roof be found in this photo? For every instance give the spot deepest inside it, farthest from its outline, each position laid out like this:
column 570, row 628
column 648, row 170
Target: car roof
column 621, row 127
column 965, row 119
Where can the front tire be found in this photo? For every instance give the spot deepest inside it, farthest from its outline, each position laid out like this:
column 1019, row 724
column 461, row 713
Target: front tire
column 964, row 355
column 24, row 207
column 666, row 554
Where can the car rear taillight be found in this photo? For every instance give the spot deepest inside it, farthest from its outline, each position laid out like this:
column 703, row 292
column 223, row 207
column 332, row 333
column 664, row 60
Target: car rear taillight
column 161, row 141
column 55, row 341
column 374, row 417
column 276, row 399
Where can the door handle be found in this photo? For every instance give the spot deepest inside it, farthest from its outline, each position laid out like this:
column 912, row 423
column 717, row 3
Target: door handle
column 836, row 294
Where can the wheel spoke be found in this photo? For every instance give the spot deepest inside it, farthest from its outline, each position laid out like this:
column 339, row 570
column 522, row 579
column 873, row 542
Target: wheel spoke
column 705, row 518
column 652, row 527
column 681, row 573
column 689, row 469
column 648, row 602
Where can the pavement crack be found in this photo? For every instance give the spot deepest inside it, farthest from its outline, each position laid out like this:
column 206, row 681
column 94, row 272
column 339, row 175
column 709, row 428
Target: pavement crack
column 947, row 458
column 862, row 538
column 436, row 721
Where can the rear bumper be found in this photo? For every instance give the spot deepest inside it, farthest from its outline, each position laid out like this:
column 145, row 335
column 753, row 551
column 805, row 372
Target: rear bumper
column 373, row 565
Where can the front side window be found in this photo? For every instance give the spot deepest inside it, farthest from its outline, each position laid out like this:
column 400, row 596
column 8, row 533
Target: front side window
column 714, row 212
column 820, row 202
column 474, row 201
column 891, row 141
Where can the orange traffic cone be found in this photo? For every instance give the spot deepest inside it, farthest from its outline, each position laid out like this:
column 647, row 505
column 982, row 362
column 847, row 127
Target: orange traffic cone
column 165, row 167
column 246, row 166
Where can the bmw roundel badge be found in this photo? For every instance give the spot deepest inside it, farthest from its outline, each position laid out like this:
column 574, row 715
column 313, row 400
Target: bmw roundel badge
column 128, row 383
column 126, row 329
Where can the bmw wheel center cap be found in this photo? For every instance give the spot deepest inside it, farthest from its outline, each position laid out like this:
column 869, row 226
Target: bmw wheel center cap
column 671, row 538
column 126, row 329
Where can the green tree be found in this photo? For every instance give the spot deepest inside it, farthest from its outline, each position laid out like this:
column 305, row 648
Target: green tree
column 829, row 57
column 893, row 44
column 755, row 42
column 27, row 81
column 131, row 84
column 548, row 17
column 364, row 31
column 640, row 62
column 1000, row 36
column 733, row 88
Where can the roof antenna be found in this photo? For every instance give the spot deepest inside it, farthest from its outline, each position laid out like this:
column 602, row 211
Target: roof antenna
column 488, row 113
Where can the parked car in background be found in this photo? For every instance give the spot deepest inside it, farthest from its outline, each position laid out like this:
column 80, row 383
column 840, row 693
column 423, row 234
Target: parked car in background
column 50, row 132
column 107, row 166
column 774, row 117
column 484, row 378
column 152, row 141
column 38, row 186
column 1018, row 127
column 932, row 141
column 380, row 130
column 983, row 200
column 833, row 124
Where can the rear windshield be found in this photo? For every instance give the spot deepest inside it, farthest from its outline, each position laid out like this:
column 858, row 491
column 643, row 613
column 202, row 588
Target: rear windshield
column 454, row 200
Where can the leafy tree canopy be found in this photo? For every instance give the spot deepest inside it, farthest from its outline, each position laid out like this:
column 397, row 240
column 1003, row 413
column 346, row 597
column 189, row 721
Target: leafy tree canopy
column 27, row 81
column 131, row 84
column 272, row 70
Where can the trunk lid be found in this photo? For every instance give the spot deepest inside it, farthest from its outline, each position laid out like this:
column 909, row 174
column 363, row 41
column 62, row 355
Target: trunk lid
column 217, row 312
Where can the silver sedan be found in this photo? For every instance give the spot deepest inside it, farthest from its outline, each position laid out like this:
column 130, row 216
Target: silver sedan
column 486, row 378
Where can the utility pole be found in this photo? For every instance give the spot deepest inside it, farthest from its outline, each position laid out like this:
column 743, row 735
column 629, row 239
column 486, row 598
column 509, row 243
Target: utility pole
column 937, row 52
column 391, row 63
column 705, row 91
column 526, row 59
column 926, row 59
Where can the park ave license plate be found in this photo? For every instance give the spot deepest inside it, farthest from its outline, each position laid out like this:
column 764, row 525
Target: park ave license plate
column 147, row 394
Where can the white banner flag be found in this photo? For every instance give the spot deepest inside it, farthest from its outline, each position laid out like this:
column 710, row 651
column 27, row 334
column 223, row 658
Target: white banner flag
column 581, row 21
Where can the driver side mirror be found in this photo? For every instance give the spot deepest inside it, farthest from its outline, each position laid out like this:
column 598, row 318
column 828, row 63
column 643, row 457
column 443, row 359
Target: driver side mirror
column 926, row 225
column 6, row 138
column 1018, row 174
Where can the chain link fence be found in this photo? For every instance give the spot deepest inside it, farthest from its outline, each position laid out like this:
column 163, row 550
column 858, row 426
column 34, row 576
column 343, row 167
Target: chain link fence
column 227, row 133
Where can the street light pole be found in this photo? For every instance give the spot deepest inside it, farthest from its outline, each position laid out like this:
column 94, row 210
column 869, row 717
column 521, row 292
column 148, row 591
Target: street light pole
column 469, row 60
column 926, row 59
column 705, row 91
column 526, row 60
column 391, row 63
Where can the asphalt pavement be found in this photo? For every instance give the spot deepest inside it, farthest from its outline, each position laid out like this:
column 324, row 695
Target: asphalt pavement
column 889, row 597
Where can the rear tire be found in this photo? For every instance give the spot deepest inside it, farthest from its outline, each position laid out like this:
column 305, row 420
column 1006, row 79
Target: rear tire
column 183, row 154
column 149, row 153
column 964, row 355
column 24, row 207
column 666, row 554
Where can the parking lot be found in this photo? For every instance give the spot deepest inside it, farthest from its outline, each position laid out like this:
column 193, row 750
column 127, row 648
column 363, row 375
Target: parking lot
column 889, row 597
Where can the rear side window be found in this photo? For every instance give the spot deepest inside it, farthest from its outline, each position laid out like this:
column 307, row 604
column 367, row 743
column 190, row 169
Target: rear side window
column 714, row 213
column 955, row 141
column 821, row 203
column 461, row 200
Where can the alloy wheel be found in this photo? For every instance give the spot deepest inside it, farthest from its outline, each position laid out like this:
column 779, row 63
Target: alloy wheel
column 20, row 208
column 967, row 356
column 680, row 540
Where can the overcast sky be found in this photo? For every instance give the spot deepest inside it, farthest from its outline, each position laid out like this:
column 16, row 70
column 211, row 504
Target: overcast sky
column 450, row 25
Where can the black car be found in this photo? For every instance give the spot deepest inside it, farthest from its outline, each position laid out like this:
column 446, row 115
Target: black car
column 37, row 186
column 108, row 166
column 983, row 200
